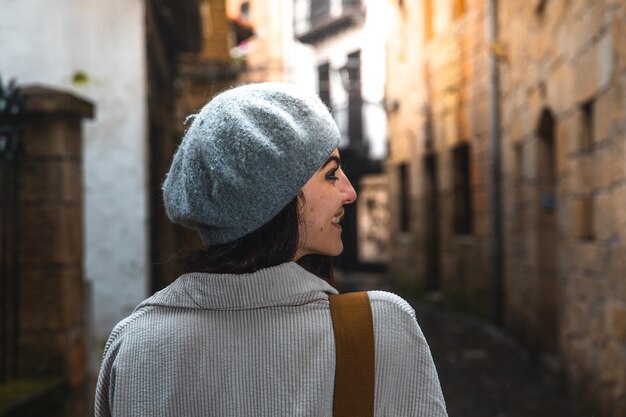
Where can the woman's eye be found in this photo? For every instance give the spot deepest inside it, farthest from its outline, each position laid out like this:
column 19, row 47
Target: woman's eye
column 332, row 175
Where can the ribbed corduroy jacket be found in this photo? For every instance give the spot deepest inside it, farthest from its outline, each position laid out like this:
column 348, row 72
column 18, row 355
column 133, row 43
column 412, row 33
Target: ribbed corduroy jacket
column 257, row 344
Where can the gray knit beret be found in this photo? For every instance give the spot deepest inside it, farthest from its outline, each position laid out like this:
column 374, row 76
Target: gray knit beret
column 247, row 154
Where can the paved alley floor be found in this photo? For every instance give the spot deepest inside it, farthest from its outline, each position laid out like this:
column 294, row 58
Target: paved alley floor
column 483, row 371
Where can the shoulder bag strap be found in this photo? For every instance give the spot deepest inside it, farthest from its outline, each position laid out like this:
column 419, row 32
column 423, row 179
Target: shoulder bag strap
column 355, row 357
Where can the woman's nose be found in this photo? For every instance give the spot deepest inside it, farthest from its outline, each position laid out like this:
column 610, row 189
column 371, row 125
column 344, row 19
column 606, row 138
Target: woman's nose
column 349, row 194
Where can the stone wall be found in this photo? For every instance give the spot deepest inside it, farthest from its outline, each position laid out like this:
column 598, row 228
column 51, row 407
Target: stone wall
column 564, row 99
column 53, row 294
column 264, row 52
column 445, row 73
column 373, row 220
column 177, row 91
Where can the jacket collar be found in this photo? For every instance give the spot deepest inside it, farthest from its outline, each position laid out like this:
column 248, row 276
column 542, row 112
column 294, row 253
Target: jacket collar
column 285, row 284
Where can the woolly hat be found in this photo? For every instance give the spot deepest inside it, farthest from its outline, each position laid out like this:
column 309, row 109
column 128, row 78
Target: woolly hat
column 247, row 154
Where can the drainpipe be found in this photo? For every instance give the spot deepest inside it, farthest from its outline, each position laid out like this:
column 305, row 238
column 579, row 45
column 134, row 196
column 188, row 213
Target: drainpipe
column 496, row 178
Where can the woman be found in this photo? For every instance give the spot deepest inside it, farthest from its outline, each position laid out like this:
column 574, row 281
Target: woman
column 247, row 332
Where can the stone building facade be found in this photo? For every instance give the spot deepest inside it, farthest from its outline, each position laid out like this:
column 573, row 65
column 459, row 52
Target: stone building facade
column 437, row 103
column 564, row 147
column 551, row 76
column 44, row 311
column 264, row 56
column 185, row 72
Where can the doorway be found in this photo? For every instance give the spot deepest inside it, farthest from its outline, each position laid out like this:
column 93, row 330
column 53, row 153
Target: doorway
column 431, row 225
column 547, row 235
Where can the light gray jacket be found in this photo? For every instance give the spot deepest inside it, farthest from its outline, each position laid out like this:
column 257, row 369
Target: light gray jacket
column 256, row 344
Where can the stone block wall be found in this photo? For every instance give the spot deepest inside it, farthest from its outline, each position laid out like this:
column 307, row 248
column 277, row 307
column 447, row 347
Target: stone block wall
column 437, row 96
column 562, row 100
column 567, row 295
column 216, row 36
column 373, row 220
column 175, row 93
column 53, row 300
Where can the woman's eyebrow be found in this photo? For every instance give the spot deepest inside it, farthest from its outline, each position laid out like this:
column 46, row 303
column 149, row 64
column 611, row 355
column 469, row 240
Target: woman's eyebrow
column 331, row 159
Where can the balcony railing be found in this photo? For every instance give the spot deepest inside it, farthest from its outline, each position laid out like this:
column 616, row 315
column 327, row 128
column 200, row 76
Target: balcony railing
column 320, row 9
column 322, row 20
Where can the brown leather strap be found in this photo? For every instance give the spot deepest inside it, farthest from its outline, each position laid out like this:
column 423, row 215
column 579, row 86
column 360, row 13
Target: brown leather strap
column 354, row 344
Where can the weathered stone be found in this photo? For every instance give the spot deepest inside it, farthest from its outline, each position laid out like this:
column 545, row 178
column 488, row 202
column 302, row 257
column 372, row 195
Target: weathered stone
column 558, row 61
column 594, row 21
column 560, row 94
column 51, row 181
column 614, row 363
column 618, row 34
column 617, row 166
column 75, row 357
column 52, row 136
column 581, row 215
column 618, row 321
column 563, row 141
column 594, row 69
column 598, row 326
column 603, row 216
column 620, row 213
column 602, row 178
column 58, row 294
column 51, row 234
column 464, row 123
column 569, row 130
column 607, row 114
column 616, row 267
column 42, row 353
column 451, row 129
column 583, row 174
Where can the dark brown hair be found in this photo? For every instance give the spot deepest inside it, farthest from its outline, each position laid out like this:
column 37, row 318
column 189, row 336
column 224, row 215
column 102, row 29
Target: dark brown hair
column 272, row 244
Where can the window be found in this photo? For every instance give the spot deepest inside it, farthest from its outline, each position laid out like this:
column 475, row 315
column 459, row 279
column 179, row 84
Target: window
column 355, row 100
column 405, row 212
column 323, row 77
column 462, row 190
column 546, row 161
column 586, row 127
column 319, row 10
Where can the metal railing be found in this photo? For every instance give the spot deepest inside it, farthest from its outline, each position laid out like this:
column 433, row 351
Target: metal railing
column 11, row 107
column 320, row 9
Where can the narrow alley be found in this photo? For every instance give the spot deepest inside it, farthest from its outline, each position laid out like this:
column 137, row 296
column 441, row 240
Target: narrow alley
column 485, row 140
column 484, row 372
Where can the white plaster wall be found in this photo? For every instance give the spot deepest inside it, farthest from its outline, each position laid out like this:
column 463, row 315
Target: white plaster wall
column 370, row 40
column 47, row 42
column 374, row 74
column 299, row 59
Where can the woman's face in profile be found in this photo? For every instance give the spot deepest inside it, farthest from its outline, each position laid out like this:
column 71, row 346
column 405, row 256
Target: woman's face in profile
column 321, row 209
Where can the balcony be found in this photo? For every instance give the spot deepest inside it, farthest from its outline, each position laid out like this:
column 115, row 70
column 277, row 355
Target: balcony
column 317, row 20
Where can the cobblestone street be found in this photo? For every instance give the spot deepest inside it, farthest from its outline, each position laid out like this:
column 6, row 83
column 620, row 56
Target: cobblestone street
column 483, row 371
